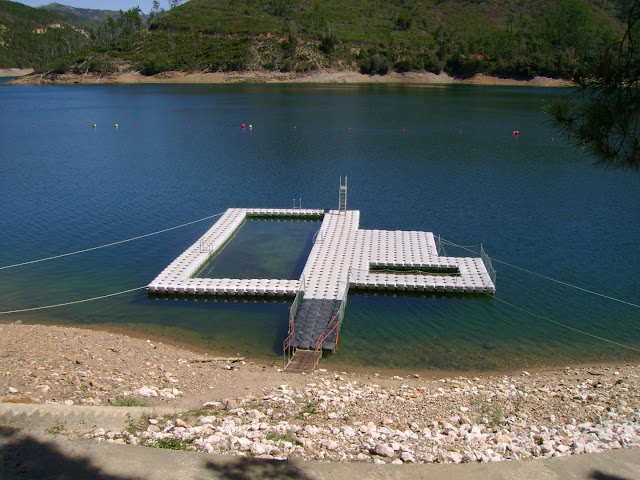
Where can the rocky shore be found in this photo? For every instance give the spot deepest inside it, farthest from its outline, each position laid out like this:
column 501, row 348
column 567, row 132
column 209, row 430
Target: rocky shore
column 239, row 407
column 315, row 77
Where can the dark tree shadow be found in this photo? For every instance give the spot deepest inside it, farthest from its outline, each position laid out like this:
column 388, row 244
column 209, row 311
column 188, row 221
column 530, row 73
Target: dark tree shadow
column 244, row 468
column 25, row 457
column 598, row 475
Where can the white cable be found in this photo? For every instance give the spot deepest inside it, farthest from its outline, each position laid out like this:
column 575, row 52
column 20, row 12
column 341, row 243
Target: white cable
column 74, row 302
column 112, row 243
column 546, row 278
column 566, row 326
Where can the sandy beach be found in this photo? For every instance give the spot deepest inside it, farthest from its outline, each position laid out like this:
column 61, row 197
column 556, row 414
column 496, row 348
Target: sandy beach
column 242, row 407
column 331, row 77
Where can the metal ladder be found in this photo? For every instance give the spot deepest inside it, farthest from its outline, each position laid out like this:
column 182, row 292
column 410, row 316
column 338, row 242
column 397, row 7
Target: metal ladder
column 342, row 196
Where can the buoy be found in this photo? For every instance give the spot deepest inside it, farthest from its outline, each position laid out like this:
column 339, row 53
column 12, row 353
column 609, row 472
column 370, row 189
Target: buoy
column 115, row 125
column 94, row 125
column 460, row 132
column 349, row 128
column 189, row 125
column 516, row 133
column 137, row 126
column 243, row 125
column 552, row 139
column 250, row 126
column 403, row 130
column 295, row 128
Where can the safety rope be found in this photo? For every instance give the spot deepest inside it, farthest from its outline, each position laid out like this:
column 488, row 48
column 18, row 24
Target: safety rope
column 563, row 325
column 74, row 302
column 545, row 277
column 112, row 243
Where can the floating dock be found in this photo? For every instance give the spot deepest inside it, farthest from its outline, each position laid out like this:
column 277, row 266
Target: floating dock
column 343, row 257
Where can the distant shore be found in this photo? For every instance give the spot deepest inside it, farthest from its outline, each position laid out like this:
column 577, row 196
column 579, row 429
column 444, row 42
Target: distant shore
column 15, row 72
column 263, row 77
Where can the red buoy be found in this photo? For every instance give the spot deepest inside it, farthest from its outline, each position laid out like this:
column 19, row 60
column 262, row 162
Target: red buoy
column 516, row 133
column 243, row 125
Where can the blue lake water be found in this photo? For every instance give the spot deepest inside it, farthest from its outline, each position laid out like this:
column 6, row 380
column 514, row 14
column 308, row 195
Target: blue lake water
column 179, row 154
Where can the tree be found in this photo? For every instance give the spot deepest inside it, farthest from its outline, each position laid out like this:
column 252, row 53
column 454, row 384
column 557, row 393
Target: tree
column 605, row 116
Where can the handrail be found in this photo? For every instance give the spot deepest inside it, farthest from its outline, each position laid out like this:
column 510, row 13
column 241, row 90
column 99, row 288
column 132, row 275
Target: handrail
column 487, row 264
column 293, row 309
column 334, row 323
column 323, row 336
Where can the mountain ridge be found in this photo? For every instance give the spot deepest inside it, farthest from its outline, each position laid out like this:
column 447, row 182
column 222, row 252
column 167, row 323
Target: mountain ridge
column 509, row 38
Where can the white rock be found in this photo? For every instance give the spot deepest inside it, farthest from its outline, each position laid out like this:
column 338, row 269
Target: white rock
column 330, row 444
column 147, row 392
column 384, row 450
column 245, row 444
column 258, row 449
column 311, row 429
column 454, row 457
column 12, row 390
column 208, row 448
column 69, row 402
column 407, row 457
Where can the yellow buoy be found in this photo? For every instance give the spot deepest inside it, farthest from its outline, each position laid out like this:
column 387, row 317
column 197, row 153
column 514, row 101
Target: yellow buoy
column 115, row 125
column 94, row 125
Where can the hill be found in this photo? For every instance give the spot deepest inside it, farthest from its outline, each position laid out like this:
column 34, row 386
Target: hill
column 31, row 37
column 517, row 38
column 85, row 18
column 511, row 38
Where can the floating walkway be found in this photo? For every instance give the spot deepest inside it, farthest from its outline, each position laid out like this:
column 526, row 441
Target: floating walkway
column 343, row 257
column 179, row 276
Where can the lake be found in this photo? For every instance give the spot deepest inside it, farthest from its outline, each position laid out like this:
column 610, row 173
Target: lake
column 438, row 158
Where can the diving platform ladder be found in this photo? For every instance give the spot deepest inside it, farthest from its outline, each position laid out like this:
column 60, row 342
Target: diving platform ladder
column 342, row 196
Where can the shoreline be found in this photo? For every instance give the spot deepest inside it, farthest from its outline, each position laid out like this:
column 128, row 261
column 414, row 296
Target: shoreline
column 232, row 406
column 320, row 77
column 137, row 332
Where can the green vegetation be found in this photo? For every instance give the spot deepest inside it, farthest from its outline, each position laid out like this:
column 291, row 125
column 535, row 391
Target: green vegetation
column 56, row 429
column 30, row 37
column 84, row 18
column 170, row 443
column 604, row 118
column 308, row 410
column 514, row 38
column 130, row 402
column 276, row 437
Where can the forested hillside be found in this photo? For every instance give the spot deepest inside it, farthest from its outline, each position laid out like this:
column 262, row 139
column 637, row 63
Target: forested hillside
column 30, row 37
column 513, row 38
